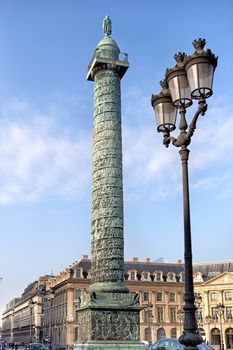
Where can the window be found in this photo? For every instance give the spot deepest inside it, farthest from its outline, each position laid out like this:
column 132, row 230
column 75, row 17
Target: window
column 214, row 296
column 172, row 314
column 229, row 313
column 76, row 314
column 146, row 296
column 228, row 296
column 214, row 313
column 145, row 275
column 173, row 333
column 161, row 334
column 132, row 276
column 78, row 273
column 77, row 294
column 148, row 334
column 172, row 297
column 158, row 276
column 76, row 334
column 159, row 296
column 171, row 276
column 146, row 316
column 159, row 314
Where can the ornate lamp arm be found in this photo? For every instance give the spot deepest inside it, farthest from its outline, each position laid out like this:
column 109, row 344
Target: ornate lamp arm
column 202, row 108
column 184, row 138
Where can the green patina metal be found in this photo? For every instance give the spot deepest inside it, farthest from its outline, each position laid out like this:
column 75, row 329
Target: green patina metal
column 107, row 26
column 109, row 316
column 107, row 188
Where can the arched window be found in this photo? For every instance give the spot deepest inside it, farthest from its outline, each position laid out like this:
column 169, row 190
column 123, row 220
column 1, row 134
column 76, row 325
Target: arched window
column 201, row 331
column 161, row 333
column 147, row 334
column 173, row 333
column 76, row 334
column 229, row 338
column 215, row 336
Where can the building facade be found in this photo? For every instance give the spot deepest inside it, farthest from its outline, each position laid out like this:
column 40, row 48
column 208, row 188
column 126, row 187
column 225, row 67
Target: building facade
column 23, row 318
column 53, row 315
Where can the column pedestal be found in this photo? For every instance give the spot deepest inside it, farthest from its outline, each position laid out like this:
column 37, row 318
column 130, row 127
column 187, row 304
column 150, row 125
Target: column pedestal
column 109, row 321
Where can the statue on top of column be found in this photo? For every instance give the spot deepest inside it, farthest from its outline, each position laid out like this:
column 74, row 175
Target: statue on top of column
column 107, row 26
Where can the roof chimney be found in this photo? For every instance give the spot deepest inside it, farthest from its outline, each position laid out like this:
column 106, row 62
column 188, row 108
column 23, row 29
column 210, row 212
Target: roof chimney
column 134, row 259
column 147, row 260
column 84, row 257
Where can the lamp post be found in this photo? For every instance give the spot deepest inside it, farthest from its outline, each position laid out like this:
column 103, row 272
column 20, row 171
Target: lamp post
column 208, row 321
column 148, row 307
column 180, row 315
column 190, row 79
column 12, row 325
column 50, row 297
column 31, row 304
column 198, row 301
column 220, row 311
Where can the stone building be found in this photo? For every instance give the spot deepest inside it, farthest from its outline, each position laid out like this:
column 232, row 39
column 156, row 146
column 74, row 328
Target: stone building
column 23, row 318
column 160, row 287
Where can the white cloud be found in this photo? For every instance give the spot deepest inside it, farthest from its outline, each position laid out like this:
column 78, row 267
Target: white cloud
column 37, row 158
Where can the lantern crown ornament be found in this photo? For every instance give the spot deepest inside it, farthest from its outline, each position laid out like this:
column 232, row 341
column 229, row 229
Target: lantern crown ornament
column 200, row 67
column 178, row 82
column 164, row 110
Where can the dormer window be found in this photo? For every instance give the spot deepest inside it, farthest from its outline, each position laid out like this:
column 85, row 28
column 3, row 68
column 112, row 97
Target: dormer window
column 158, row 276
column 78, row 273
column 146, row 276
column 181, row 275
column 132, row 276
column 198, row 277
column 171, row 277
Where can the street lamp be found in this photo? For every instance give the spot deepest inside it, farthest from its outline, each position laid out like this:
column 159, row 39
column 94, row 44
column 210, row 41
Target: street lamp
column 191, row 78
column 50, row 296
column 31, row 304
column 148, row 307
column 208, row 319
column 220, row 311
column 198, row 301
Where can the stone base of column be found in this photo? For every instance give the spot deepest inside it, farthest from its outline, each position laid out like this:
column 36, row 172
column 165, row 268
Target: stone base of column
column 109, row 321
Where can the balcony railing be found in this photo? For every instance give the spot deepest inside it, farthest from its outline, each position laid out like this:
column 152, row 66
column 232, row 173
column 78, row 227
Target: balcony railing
column 102, row 54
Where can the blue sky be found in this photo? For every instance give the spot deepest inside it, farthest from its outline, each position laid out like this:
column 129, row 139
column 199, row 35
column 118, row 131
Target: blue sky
column 46, row 111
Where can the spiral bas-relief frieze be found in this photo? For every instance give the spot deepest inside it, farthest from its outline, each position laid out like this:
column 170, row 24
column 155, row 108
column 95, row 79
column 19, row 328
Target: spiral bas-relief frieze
column 107, row 188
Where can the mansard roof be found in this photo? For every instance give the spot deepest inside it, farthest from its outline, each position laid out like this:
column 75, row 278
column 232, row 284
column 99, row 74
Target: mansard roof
column 207, row 269
column 213, row 269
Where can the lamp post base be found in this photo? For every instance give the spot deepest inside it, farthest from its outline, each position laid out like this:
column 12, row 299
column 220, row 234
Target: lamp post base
column 190, row 340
